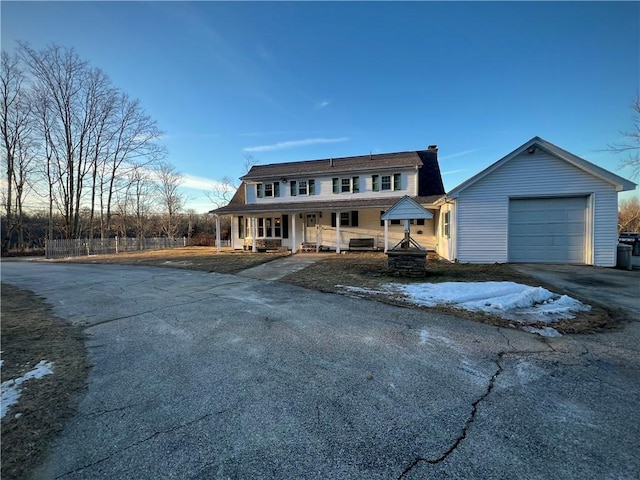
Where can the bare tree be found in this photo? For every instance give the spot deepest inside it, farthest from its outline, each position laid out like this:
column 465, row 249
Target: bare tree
column 224, row 190
column 629, row 215
column 61, row 78
column 140, row 194
column 132, row 145
column 170, row 197
column 16, row 130
column 631, row 145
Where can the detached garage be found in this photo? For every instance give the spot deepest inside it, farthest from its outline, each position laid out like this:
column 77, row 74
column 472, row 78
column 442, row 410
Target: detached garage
column 539, row 204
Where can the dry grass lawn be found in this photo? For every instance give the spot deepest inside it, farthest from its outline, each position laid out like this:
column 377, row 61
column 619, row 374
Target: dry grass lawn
column 190, row 258
column 30, row 333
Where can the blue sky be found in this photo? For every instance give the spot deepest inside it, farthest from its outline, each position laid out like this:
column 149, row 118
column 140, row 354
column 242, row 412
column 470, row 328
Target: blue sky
column 289, row 81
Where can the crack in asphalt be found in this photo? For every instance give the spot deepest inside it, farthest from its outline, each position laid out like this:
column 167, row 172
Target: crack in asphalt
column 150, row 437
column 191, row 301
column 117, row 409
column 467, row 425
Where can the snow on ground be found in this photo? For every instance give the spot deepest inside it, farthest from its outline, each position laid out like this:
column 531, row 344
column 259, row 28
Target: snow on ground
column 509, row 300
column 10, row 390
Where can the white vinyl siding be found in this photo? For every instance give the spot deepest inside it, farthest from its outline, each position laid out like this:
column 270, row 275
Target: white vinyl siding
column 323, row 187
column 483, row 208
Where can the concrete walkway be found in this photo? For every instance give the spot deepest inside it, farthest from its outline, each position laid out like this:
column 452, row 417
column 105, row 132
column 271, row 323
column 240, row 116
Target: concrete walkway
column 276, row 269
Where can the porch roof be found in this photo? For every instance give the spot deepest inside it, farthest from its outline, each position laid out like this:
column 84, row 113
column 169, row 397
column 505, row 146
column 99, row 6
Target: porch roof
column 330, row 205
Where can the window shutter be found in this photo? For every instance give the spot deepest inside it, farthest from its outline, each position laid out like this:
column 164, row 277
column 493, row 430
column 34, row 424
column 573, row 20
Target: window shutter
column 381, row 220
column 375, row 183
column 294, row 190
column 333, row 219
column 397, row 181
column 285, row 226
column 312, row 187
column 336, row 185
column 259, row 190
column 354, row 218
column 240, row 227
column 276, row 189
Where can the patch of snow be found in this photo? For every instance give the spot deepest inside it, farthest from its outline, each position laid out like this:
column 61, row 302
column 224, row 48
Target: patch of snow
column 424, row 336
column 10, row 391
column 509, row 300
column 543, row 332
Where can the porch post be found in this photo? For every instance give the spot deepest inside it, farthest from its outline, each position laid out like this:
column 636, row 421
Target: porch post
column 337, row 232
column 254, row 229
column 294, row 243
column 386, row 236
column 218, row 233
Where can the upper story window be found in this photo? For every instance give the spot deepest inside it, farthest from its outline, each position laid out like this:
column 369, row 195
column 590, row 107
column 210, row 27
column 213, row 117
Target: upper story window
column 303, row 187
column 346, row 184
column 268, row 189
column 386, row 182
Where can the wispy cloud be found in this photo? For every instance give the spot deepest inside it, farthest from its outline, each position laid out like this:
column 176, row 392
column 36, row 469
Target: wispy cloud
column 323, row 104
column 451, row 172
column 198, row 183
column 459, row 154
column 294, row 144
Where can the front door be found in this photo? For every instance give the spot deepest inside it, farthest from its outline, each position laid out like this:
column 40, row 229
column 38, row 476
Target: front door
column 310, row 228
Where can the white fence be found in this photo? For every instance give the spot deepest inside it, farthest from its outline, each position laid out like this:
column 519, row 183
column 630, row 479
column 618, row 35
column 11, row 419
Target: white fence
column 85, row 246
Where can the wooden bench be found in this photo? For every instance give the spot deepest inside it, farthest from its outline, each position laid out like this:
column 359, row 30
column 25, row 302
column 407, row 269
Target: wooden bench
column 361, row 244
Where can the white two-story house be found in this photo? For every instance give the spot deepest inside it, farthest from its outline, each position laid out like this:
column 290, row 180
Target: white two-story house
column 325, row 204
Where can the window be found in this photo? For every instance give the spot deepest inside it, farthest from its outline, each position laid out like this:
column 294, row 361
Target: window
column 303, row 187
column 270, row 227
column 446, row 224
column 386, row 182
column 397, row 183
column 346, row 185
column 268, row 189
column 347, row 219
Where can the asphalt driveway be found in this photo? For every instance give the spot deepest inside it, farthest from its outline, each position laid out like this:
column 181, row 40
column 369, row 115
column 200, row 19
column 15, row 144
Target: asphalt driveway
column 199, row 375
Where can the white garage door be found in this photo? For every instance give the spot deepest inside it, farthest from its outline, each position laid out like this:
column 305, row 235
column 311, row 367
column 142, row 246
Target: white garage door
column 551, row 230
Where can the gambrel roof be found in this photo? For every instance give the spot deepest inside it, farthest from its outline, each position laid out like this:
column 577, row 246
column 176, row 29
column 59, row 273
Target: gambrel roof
column 430, row 186
column 331, row 166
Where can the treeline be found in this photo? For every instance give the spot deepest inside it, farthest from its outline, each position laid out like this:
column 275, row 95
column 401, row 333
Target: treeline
column 81, row 150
